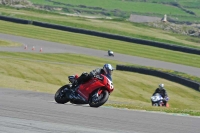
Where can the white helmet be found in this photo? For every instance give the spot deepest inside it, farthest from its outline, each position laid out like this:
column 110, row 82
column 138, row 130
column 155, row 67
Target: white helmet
column 161, row 86
column 108, row 70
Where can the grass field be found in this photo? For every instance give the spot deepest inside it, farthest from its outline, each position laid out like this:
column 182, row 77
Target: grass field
column 110, row 26
column 126, row 7
column 48, row 72
column 120, row 5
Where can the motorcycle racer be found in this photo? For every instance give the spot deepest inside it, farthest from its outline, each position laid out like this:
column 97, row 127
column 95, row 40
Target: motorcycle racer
column 162, row 91
column 106, row 70
column 95, row 92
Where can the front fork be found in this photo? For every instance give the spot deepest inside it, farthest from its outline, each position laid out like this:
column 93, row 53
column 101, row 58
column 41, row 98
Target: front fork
column 97, row 96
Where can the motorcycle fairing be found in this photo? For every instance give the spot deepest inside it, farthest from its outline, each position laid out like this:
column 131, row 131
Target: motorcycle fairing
column 86, row 89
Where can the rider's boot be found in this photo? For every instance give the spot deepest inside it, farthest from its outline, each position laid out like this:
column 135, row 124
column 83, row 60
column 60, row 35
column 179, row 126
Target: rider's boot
column 75, row 85
column 74, row 88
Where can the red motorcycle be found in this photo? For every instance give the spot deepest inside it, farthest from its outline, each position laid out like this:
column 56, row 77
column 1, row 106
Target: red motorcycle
column 95, row 92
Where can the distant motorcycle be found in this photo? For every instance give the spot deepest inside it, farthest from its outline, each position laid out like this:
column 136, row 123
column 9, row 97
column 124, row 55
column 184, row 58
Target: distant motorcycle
column 110, row 53
column 95, row 92
column 157, row 100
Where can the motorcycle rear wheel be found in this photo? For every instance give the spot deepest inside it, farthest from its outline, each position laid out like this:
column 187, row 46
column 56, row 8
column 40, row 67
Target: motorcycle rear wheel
column 103, row 98
column 61, row 98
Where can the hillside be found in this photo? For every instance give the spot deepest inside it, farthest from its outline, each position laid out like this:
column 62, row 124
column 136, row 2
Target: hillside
column 182, row 16
column 179, row 10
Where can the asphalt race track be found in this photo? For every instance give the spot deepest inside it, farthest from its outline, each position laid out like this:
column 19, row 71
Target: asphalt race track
column 52, row 47
column 34, row 112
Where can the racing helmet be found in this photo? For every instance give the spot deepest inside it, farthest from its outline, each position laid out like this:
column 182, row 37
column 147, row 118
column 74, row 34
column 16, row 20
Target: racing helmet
column 108, row 70
column 161, row 86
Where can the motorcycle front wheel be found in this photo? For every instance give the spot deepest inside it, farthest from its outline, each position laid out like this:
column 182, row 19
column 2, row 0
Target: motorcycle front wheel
column 60, row 96
column 98, row 100
column 155, row 104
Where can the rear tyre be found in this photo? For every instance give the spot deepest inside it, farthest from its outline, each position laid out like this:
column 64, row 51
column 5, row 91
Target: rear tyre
column 60, row 96
column 95, row 101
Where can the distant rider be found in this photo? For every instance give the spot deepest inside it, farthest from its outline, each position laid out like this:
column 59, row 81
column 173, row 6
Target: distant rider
column 162, row 91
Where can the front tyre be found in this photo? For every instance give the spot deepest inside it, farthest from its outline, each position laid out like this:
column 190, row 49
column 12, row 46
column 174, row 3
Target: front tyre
column 60, row 96
column 155, row 104
column 98, row 100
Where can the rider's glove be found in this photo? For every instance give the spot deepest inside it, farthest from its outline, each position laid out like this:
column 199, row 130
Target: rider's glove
column 166, row 98
column 92, row 74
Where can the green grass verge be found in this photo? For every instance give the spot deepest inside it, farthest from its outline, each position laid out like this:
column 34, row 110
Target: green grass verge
column 63, row 58
column 47, row 72
column 8, row 43
column 174, row 111
column 99, row 43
